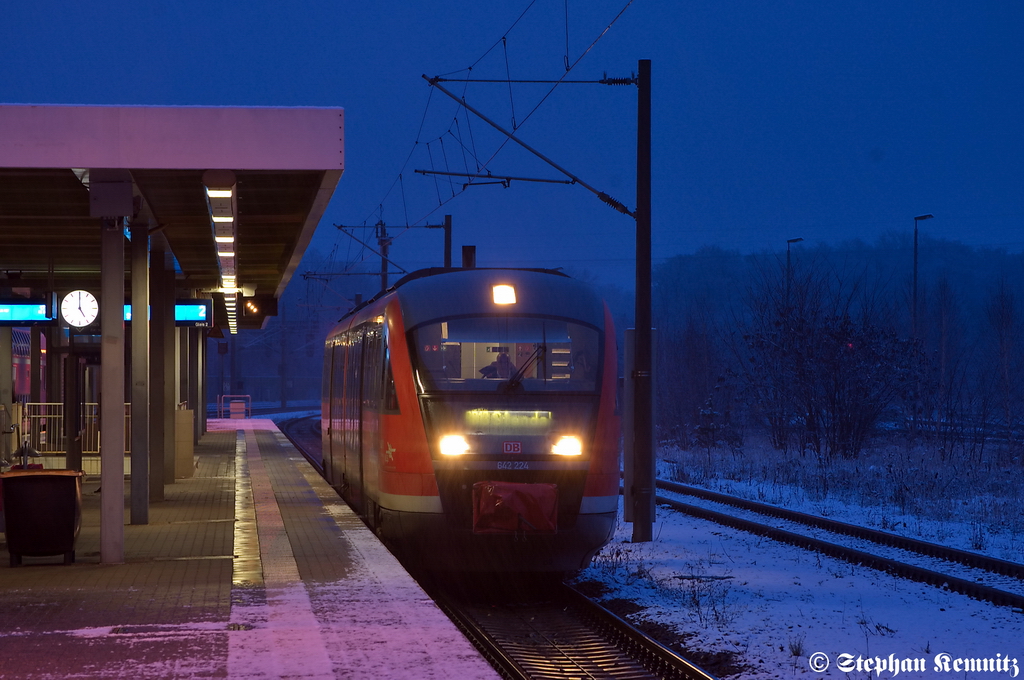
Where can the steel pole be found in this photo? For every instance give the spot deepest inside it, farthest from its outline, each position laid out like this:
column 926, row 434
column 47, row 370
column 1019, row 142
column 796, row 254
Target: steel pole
column 913, row 301
column 643, row 418
column 447, row 241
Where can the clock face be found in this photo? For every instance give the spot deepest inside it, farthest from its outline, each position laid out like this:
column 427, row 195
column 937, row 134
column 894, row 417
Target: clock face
column 79, row 308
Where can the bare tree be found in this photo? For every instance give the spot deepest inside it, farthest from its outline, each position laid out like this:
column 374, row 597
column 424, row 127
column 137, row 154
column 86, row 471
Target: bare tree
column 1003, row 318
column 819, row 367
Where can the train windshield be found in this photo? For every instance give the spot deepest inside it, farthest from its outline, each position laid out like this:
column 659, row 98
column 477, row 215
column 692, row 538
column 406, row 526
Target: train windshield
column 507, row 354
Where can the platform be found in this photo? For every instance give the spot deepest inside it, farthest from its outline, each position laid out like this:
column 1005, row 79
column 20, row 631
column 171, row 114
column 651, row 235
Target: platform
column 253, row 568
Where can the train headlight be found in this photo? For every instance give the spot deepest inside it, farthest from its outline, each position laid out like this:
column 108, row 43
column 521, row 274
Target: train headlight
column 567, row 446
column 503, row 294
column 454, row 445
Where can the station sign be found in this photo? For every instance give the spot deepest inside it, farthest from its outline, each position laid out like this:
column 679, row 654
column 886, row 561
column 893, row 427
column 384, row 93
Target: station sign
column 194, row 313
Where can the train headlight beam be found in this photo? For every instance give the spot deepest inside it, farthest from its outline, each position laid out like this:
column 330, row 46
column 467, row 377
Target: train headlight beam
column 454, row 445
column 568, row 446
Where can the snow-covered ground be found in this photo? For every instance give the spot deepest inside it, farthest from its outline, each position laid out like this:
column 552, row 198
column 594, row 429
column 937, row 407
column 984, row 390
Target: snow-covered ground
column 917, row 492
column 783, row 612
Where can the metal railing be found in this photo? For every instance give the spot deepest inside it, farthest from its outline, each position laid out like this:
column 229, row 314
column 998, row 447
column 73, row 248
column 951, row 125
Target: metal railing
column 234, row 406
column 44, row 423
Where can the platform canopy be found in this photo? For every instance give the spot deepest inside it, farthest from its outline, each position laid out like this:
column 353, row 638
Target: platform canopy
column 285, row 164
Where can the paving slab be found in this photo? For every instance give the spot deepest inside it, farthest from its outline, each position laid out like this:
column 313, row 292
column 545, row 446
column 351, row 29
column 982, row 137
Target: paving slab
column 253, row 568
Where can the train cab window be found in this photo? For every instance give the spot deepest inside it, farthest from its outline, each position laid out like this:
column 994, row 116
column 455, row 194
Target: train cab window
column 490, row 353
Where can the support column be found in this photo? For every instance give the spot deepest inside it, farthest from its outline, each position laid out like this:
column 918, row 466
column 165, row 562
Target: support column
column 54, row 369
column 140, row 485
column 234, row 387
column 203, row 387
column 181, row 335
column 284, row 359
column 170, row 359
column 157, row 349
column 193, row 380
column 72, row 407
column 6, row 390
column 112, row 393
column 35, row 380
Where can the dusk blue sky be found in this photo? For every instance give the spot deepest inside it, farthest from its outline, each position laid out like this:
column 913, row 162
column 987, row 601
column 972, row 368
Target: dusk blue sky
column 826, row 121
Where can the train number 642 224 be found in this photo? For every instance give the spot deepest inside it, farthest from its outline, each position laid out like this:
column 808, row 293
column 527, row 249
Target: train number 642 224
column 513, row 465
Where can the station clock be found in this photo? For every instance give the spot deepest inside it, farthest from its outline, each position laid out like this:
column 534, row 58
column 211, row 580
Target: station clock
column 79, row 308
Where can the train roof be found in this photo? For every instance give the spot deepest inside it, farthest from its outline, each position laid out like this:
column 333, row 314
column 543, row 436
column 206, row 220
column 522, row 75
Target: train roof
column 438, row 293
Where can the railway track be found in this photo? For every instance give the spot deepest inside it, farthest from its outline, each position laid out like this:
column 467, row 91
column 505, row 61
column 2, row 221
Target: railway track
column 549, row 630
column 981, row 577
column 529, row 628
column 304, row 434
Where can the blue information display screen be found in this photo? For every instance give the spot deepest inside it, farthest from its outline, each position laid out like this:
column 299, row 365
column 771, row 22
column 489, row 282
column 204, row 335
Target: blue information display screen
column 24, row 313
column 193, row 313
column 186, row 313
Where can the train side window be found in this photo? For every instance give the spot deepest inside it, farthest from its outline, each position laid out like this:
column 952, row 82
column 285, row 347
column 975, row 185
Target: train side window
column 372, row 369
column 390, row 403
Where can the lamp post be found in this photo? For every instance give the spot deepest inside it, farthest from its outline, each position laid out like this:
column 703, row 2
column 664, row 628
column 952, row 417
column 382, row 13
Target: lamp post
column 913, row 301
column 913, row 323
column 789, row 267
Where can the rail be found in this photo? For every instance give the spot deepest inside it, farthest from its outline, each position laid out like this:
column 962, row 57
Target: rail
column 972, row 587
column 555, row 632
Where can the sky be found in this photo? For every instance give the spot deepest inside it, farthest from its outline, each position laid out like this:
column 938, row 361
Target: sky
column 771, row 121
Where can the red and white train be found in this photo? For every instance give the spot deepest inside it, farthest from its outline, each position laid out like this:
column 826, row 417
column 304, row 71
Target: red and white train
column 469, row 415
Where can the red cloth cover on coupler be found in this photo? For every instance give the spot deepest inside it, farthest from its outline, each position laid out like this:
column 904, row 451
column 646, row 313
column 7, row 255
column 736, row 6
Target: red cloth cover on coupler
column 510, row 507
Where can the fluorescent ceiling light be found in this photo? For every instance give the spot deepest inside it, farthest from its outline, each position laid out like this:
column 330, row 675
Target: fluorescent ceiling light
column 218, row 193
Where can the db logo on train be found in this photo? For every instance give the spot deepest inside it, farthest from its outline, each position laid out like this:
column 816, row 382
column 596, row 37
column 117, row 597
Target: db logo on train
column 512, row 447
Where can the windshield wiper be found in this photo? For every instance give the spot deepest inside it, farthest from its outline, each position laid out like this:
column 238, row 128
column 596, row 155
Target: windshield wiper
column 514, row 383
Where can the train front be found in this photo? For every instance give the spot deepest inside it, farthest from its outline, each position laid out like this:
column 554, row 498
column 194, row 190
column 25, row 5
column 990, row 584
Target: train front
column 515, row 373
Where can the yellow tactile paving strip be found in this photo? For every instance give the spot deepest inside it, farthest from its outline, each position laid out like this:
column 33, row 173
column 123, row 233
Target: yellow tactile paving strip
column 278, row 635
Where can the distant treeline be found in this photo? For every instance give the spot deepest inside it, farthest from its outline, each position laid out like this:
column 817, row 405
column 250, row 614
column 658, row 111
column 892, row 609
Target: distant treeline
column 820, row 349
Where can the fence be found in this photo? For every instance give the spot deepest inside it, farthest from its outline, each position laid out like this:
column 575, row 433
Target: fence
column 45, row 427
column 234, row 406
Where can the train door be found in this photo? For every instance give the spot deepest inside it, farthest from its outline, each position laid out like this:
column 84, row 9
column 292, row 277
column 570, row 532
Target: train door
column 334, row 389
column 353, row 420
column 325, row 410
column 373, row 347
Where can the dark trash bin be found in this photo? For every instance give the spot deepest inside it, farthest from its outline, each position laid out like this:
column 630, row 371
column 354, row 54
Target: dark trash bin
column 43, row 510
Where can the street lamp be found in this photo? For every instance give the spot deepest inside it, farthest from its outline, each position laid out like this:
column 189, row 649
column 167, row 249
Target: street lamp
column 913, row 311
column 789, row 267
column 913, row 323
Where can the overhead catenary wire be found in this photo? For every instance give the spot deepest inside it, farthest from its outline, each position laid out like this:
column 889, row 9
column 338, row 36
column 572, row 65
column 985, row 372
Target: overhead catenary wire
column 509, row 137
column 617, row 205
column 508, row 75
column 566, row 57
column 567, row 71
column 464, row 135
column 481, row 166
